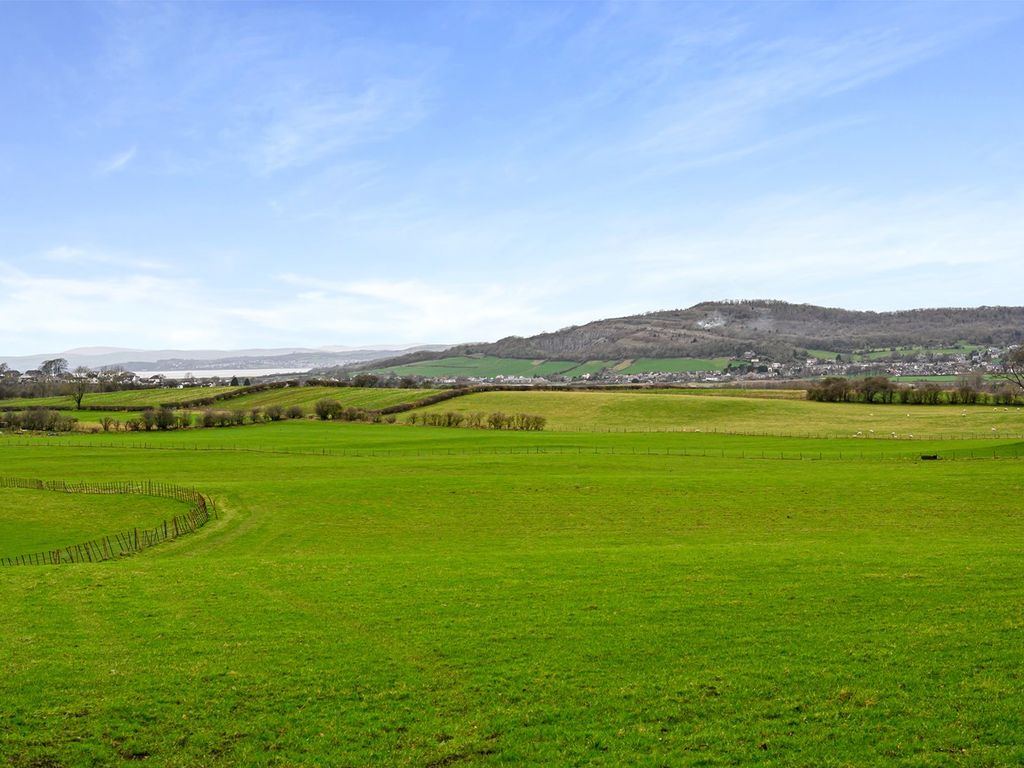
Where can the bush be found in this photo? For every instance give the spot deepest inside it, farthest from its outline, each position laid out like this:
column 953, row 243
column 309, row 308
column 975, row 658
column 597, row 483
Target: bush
column 273, row 413
column 328, row 409
column 41, row 420
column 165, row 419
column 295, row 412
column 496, row 420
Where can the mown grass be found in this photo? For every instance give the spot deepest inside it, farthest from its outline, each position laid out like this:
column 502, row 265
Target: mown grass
column 131, row 398
column 306, row 397
column 34, row 521
column 628, row 410
column 486, row 366
column 483, row 366
column 457, row 603
column 675, row 365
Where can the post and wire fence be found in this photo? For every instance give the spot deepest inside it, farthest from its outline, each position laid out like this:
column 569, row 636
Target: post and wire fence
column 200, row 509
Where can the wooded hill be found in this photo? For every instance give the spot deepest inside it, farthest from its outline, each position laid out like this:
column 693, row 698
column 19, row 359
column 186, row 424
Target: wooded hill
column 772, row 329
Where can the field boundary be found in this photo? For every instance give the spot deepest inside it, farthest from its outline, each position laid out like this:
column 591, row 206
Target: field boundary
column 122, row 543
column 911, row 453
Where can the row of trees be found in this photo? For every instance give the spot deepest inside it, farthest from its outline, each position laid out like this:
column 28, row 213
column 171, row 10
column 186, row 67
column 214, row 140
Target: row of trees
column 332, row 410
column 478, row 420
column 970, row 390
column 37, row 420
column 49, row 420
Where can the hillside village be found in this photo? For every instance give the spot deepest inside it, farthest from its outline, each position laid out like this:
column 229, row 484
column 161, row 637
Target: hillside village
column 751, row 367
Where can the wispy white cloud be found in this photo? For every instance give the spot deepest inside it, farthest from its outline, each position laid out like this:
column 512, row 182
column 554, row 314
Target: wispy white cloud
column 307, row 131
column 958, row 247
column 50, row 310
column 412, row 309
column 65, row 254
column 274, row 89
column 117, row 162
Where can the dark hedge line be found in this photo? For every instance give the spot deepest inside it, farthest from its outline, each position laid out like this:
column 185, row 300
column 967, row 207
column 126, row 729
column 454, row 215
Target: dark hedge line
column 879, row 389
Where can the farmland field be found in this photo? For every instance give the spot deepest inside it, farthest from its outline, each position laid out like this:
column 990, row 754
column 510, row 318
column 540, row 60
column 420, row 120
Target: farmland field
column 132, row 398
column 709, row 411
column 484, row 366
column 675, row 365
column 305, row 397
column 481, row 366
column 399, row 595
column 32, row 521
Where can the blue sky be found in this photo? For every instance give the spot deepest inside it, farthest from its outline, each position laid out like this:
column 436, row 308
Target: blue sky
column 256, row 175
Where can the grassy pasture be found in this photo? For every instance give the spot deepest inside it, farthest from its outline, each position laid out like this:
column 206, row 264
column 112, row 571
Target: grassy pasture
column 744, row 392
column 439, row 599
column 481, row 366
column 32, row 521
column 306, row 397
column 629, row 410
column 357, row 397
column 675, row 365
column 486, row 366
column 131, row 398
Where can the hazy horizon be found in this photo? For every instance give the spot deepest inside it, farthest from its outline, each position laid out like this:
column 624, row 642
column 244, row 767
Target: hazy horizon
column 239, row 176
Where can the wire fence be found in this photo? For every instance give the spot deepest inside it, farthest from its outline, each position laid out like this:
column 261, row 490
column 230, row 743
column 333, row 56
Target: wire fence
column 870, row 450
column 123, row 543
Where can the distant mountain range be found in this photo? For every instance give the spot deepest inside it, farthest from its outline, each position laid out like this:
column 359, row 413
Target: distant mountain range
column 772, row 329
column 140, row 361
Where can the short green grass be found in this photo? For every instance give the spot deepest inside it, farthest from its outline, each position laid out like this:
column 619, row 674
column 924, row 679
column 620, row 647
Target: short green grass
column 423, row 597
column 486, row 366
column 35, row 521
column 675, row 365
column 483, row 366
column 132, row 398
column 628, row 410
column 305, row 397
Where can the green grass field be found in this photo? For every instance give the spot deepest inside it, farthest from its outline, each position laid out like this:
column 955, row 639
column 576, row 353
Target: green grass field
column 307, row 397
column 33, row 521
column 411, row 596
column 132, row 398
column 682, row 410
column 675, row 365
column 482, row 366
column 485, row 366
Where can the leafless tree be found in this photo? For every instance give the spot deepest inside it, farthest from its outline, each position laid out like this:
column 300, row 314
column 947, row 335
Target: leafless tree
column 1013, row 366
column 81, row 384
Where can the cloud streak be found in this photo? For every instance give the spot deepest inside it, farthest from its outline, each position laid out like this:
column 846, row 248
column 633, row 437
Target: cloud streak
column 70, row 255
column 118, row 162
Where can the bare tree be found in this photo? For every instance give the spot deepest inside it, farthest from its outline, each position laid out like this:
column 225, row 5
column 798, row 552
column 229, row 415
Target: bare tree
column 81, row 383
column 1013, row 366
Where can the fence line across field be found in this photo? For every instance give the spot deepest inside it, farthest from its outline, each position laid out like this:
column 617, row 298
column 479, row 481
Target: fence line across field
column 123, row 543
column 846, row 454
